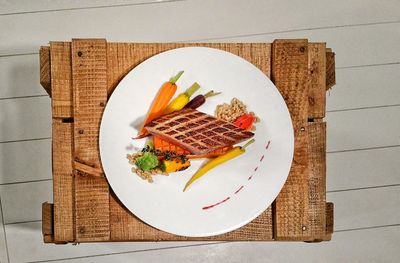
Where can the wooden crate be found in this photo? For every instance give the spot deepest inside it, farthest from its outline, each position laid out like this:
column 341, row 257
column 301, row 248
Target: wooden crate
column 81, row 75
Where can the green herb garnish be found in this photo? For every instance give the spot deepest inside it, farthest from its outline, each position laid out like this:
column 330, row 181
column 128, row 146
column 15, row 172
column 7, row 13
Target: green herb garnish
column 147, row 162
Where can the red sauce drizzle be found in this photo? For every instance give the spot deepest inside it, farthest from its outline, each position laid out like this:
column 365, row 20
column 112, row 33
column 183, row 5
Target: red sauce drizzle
column 241, row 187
column 238, row 190
column 266, row 147
column 211, row 206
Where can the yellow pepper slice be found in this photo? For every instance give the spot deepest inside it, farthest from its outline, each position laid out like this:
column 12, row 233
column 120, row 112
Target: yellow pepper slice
column 171, row 166
column 235, row 152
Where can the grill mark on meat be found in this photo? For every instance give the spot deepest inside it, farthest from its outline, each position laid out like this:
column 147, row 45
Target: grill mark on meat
column 197, row 132
column 198, row 137
column 180, row 120
column 187, row 140
column 181, row 129
column 162, row 128
column 171, row 132
column 172, row 124
column 180, row 137
column 220, row 130
column 230, row 126
column 192, row 125
column 210, row 142
column 208, row 133
column 191, row 133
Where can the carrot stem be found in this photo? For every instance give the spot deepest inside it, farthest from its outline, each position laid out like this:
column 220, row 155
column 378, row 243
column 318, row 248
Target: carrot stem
column 175, row 79
column 248, row 143
column 211, row 93
column 192, row 89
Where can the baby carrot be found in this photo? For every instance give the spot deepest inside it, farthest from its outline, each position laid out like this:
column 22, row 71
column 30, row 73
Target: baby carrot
column 235, row 152
column 160, row 102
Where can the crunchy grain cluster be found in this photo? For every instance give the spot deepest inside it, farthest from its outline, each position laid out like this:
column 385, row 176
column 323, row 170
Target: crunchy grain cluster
column 145, row 175
column 230, row 112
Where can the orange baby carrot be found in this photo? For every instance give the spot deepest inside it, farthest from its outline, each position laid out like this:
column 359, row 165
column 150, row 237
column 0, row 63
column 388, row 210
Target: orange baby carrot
column 160, row 102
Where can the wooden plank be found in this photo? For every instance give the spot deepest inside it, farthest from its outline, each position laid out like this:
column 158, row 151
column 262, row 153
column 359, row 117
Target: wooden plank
column 47, row 222
column 317, row 89
column 92, row 218
column 36, row 155
column 122, row 57
column 198, row 23
column 349, row 246
column 45, row 79
column 61, row 79
column 25, row 245
column 33, row 121
column 63, row 180
column 365, row 87
column 26, row 6
column 125, row 226
column 367, row 168
column 290, row 75
column 317, row 180
column 353, row 208
column 330, row 70
column 89, row 70
column 353, row 130
column 329, row 221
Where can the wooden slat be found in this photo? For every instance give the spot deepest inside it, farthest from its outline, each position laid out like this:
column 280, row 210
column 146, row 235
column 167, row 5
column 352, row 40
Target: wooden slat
column 92, row 219
column 317, row 180
column 89, row 69
column 317, row 88
column 290, row 75
column 62, row 180
column 47, row 222
column 61, row 79
column 329, row 221
column 121, row 58
column 330, row 69
column 45, row 79
column 125, row 226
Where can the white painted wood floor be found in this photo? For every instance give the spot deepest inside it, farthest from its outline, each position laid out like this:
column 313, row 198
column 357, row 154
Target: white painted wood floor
column 363, row 118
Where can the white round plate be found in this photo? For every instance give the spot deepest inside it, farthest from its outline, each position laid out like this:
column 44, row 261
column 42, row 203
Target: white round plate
column 230, row 195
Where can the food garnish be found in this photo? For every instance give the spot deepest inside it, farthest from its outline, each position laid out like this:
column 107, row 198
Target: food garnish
column 150, row 162
column 245, row 121
column 197, row 131
column 160, row 102
column 163, row 145
column 174, row 165
column 235, row 152
column 179, row 102
column 147, row 161
column 181, row 132
column 232, row 111
column 200, row 100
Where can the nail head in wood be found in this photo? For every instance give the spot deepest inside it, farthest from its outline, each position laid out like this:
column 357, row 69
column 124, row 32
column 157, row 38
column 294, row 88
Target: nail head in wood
column 302, row 129
column 302, row 49
column 81, row 229
column 81, row 131
column 79, row 53
column 304, row 228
